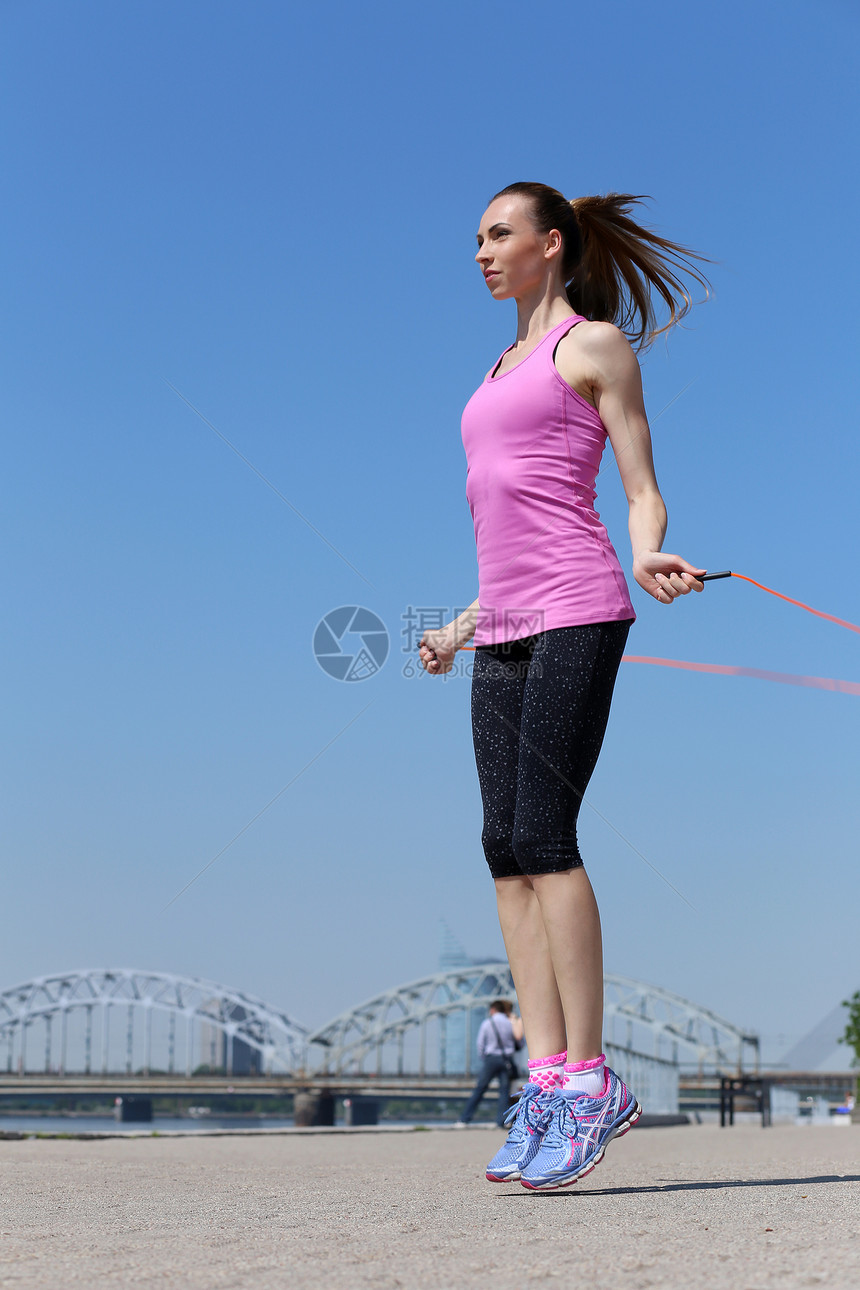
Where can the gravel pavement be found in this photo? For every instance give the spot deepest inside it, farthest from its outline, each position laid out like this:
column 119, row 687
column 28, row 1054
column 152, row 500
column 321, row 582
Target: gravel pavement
column 697, row 1206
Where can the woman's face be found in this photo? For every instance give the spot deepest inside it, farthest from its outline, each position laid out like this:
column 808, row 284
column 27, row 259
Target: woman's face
column 512, row 256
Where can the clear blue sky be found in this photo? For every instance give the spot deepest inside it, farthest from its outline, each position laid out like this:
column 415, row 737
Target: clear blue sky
column 273, row 209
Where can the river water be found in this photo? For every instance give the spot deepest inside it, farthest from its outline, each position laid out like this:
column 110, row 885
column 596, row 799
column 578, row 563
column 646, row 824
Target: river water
column 158, row 1124
column 75, row 1124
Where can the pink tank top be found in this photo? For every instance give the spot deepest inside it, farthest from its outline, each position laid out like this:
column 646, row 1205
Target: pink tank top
column 533, row 448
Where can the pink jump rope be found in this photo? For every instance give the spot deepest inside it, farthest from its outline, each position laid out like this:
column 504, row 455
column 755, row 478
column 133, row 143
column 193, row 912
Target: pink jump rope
column 816, row 682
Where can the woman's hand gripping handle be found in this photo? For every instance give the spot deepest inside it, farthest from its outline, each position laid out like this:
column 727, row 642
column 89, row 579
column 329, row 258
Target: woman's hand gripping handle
column 438, row 647
column 665, row 576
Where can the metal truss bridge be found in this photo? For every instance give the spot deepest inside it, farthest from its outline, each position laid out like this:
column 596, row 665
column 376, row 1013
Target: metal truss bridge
column 428, row 1025
column 177, row 1033
column 121, row 1020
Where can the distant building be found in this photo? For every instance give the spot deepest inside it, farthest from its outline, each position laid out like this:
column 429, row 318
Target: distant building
column 215, row 1053
column 461, row 1028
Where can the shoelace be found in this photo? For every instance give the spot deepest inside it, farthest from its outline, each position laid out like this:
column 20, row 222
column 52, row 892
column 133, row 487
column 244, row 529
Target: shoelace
column 544, row 1112
column 531, row 1109
column 554, row 1116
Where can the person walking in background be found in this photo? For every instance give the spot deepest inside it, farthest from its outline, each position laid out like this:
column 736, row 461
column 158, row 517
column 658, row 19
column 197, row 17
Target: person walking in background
column 551, row 620
column 499, row 1037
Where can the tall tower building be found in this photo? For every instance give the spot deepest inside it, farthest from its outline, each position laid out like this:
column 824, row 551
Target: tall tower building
column 461, row 1028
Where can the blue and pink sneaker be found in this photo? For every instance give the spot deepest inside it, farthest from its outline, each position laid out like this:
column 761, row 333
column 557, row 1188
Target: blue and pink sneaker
column 531, row 1117
column 580, row 1129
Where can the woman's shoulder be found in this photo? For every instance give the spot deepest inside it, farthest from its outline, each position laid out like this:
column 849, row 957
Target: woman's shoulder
column 595, row 349
column 597, row 337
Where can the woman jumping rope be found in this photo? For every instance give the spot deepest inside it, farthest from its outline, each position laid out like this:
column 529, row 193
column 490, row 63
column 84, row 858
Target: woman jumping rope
column 551, row 620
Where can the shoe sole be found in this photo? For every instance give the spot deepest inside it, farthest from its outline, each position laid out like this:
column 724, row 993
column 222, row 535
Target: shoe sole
column 514, row 1177
column 616, row 1132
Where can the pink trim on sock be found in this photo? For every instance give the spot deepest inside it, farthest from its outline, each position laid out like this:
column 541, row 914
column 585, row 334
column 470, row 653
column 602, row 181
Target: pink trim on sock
column 571, row 1068
column 547, row 1072
column 557, row 1059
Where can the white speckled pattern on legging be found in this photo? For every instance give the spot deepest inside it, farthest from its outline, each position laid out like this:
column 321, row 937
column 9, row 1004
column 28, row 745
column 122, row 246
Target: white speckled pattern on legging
column 540, row 706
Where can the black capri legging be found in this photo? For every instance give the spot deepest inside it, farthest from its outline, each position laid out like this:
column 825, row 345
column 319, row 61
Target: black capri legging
column 539, row 711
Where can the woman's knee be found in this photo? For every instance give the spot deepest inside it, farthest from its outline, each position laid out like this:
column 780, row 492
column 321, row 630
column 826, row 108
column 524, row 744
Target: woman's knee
column 514, row 890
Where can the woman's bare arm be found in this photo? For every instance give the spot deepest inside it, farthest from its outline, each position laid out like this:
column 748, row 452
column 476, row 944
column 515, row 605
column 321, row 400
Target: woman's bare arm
column 604, row 363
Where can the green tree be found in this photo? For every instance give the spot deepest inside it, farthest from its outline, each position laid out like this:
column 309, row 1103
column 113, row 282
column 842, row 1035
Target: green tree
column 852, row 1026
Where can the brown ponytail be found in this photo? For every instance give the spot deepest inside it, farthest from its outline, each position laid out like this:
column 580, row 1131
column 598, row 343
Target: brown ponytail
column 611, row 265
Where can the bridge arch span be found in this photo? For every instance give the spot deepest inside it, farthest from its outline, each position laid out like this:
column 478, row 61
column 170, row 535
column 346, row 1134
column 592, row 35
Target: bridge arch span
column 640, row 1019
column 170, row 1021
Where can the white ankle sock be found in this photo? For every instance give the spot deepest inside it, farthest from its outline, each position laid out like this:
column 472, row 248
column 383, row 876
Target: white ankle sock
column 585, row 1077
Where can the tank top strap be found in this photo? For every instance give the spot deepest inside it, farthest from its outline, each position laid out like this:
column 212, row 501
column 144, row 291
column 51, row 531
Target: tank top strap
column 558, row 334
column 561, row 329
column 569, row 322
